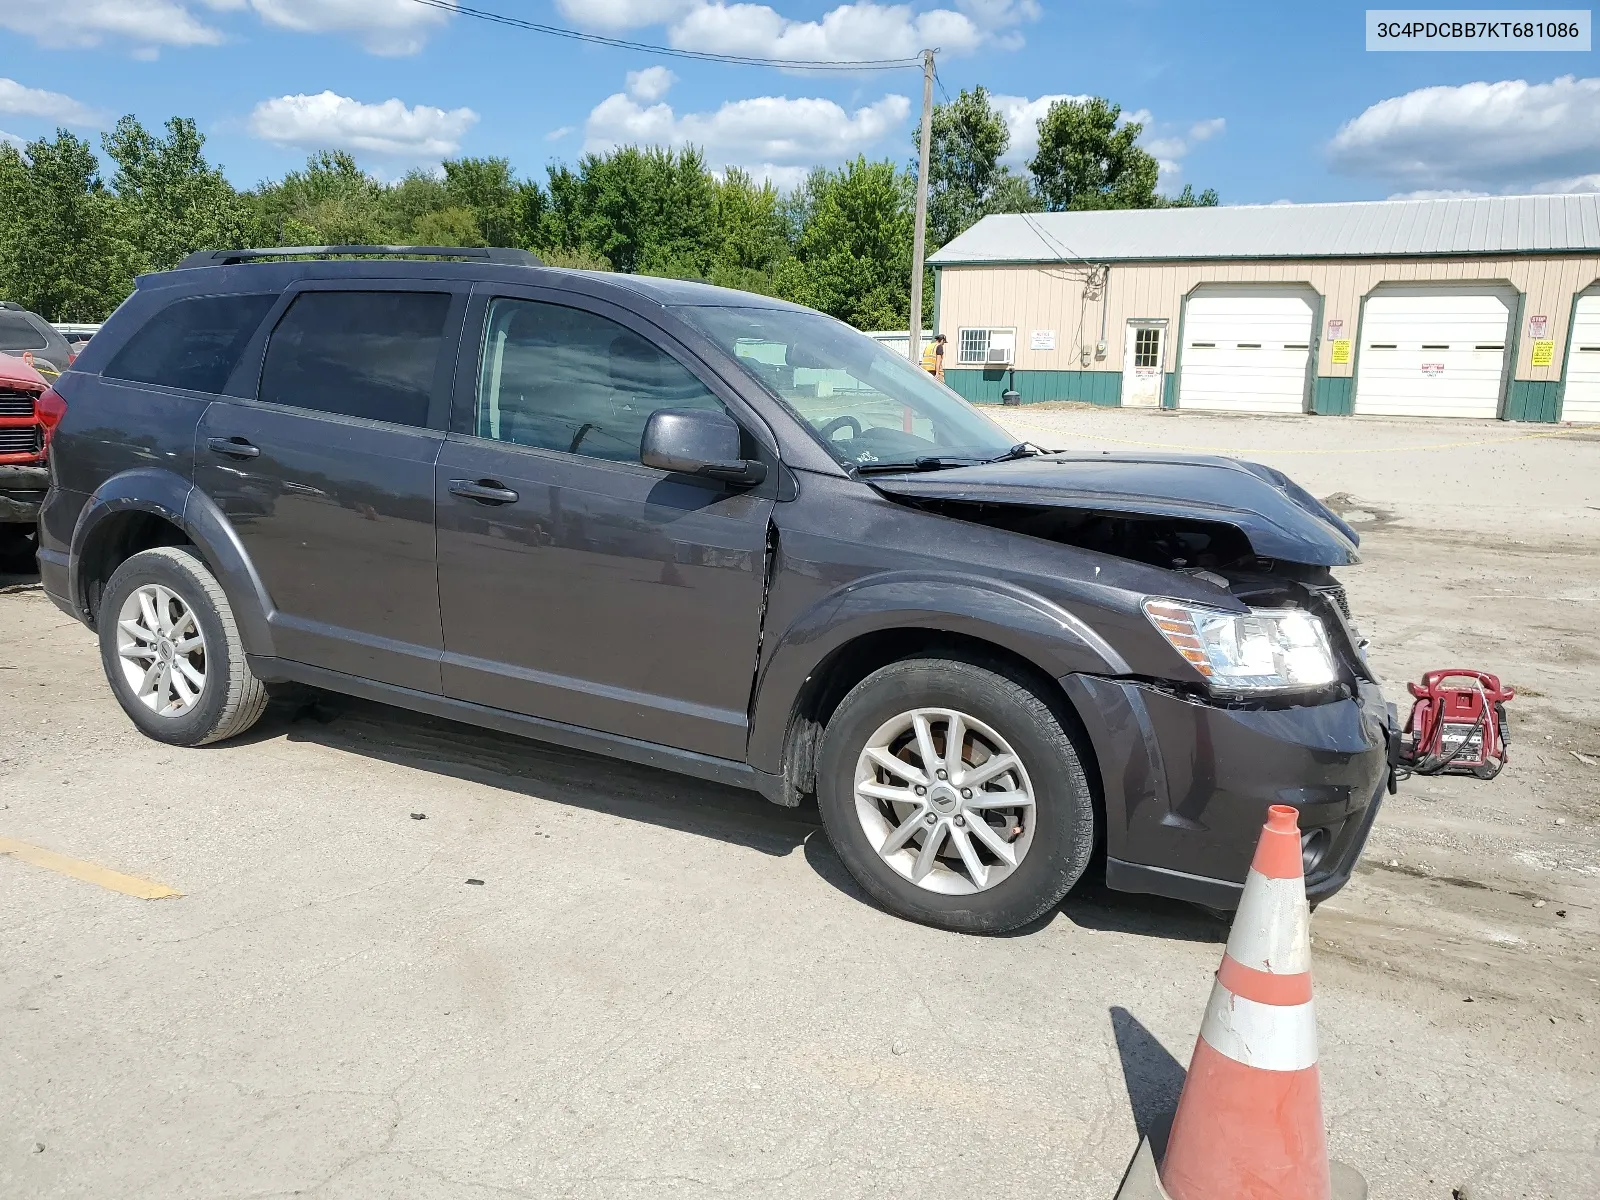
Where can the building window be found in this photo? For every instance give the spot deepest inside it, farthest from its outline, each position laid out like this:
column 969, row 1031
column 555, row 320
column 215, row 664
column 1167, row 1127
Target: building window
column 1147, row 348
column 986, row 347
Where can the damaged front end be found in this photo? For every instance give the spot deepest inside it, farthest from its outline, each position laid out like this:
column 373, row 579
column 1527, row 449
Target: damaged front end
column 1244, row 529
column 1190, row 758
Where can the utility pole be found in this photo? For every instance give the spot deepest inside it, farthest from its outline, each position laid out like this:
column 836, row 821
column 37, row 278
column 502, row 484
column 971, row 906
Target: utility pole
column 920, row 237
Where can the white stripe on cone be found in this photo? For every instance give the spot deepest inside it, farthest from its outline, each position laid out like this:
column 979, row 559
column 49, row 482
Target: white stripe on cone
column 1273, row 1037
column 1272, row 929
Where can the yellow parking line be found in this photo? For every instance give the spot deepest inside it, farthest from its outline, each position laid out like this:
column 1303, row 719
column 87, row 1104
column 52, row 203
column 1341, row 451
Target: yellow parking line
column 1223, row 450
column 115, row 881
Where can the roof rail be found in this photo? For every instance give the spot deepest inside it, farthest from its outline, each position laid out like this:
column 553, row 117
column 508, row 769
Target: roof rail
column 488, row 254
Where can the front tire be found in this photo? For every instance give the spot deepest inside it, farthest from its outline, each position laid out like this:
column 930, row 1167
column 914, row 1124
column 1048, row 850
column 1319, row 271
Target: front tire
column 954, row 796
column 171, row 650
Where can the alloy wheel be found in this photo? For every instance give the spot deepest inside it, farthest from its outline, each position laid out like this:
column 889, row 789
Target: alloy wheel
column 945, row 801
column 162, row 651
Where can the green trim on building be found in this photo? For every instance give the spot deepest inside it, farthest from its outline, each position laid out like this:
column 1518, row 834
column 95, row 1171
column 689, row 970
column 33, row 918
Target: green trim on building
column 1169, row 393
column 981, row 385
column 1534, row 400
column 1335, row 395
column 1508, row 380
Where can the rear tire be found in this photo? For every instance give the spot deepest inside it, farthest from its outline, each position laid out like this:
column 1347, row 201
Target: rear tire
column 994, row 866
column 171, row 650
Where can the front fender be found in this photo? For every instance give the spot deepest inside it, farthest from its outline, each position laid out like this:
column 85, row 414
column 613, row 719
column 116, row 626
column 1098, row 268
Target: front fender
column 169, row 496
column 989, row 610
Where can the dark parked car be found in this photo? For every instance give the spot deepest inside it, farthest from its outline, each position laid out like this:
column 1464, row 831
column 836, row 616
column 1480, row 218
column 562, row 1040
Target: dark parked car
column 722, row 535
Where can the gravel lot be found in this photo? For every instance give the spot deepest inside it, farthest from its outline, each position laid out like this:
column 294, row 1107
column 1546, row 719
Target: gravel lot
column 668, row 989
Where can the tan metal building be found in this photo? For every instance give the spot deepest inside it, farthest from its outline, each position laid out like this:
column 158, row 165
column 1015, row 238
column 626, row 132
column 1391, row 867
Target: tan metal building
column 1465, row 308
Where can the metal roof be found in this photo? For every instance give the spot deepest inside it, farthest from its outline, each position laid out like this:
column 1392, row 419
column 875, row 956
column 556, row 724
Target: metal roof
column 1376, row 229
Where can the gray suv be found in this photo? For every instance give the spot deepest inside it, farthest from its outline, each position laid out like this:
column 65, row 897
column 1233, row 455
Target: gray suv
column 721, row 535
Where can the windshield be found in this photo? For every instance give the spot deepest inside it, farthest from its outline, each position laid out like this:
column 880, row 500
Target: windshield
column 869, row 406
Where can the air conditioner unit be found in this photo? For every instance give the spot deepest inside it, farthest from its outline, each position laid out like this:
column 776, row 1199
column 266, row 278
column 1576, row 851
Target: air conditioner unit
column 1000, row 355
column 1002, row 347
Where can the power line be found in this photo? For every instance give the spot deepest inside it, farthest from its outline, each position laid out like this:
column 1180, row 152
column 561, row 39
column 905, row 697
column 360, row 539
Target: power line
column 743, row 60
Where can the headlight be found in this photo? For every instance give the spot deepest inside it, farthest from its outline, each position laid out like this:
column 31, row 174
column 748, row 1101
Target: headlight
column 1263, row 650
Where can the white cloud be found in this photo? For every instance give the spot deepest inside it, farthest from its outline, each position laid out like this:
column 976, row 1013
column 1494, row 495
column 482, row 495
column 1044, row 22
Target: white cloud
column 1573, row 183
column 69, row 24
column 1204, row 131
column 1509, row 135
column 555, row 135
column 771, row 136
column 380, row 26
column 332, row 122
column 11, row 139
column 52, row 106
column 1438, row 194
column 853, row 32
column 650, row 84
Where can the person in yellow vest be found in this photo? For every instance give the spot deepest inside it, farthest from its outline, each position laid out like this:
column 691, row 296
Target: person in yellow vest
column 933, row 358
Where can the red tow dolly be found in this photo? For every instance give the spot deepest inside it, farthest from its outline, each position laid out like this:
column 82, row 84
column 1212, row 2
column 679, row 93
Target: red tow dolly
column 1455, row 729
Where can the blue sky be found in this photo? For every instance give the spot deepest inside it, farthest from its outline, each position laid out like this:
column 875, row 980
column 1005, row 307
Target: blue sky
column 1264, row 102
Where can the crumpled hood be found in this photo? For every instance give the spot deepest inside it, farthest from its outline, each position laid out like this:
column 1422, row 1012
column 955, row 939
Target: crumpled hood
column 1279, row 517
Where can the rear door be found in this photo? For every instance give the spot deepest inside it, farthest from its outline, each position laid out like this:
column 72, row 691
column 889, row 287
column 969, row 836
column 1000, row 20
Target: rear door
column 327, row 473
column 593, row 590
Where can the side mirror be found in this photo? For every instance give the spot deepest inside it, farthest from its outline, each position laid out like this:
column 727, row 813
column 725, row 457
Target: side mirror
column 697, row 441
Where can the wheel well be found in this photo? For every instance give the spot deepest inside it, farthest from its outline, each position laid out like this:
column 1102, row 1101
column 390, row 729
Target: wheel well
column 115, row 540
column 836, row 675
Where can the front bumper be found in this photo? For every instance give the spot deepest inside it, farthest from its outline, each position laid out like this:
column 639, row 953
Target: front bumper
column 22, row 490
column 1186, row 784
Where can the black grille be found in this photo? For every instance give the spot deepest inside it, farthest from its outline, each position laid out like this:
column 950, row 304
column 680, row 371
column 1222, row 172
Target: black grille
column 1335, row 592
column 20, row 441
column 15, row 404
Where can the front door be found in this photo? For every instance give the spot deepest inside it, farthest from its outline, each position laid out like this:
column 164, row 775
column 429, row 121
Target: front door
column 577, row 584
column 327, row 478
column 1142, row 357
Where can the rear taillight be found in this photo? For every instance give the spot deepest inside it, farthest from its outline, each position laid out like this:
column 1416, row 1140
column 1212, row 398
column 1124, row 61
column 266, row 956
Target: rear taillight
column 50, row 409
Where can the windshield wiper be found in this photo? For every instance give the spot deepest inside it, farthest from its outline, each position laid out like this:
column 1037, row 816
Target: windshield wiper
column 1020, row 450
column 928, row 462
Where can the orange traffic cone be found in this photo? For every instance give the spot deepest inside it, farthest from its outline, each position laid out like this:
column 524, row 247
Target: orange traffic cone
column 1249, row 1121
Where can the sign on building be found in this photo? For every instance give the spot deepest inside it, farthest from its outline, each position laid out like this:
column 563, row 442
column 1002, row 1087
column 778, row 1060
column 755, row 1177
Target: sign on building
column 1042, row 339
column 1538, row 327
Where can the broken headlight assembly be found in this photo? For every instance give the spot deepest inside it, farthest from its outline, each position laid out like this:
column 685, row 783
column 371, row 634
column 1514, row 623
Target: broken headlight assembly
column 1259, row 652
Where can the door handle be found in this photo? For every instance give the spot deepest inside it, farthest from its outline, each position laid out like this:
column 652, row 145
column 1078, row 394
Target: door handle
column 484, row 491
column 236, row 447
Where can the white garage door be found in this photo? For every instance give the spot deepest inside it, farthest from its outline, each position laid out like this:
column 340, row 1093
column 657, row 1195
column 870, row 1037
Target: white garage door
column 1246, row 350
column 1582, row 402
column 1432, row 353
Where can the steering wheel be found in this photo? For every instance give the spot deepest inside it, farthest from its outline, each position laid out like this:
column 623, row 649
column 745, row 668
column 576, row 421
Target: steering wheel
column 838, row 423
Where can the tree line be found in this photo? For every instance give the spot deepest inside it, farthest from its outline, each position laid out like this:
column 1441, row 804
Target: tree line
column 72, row 238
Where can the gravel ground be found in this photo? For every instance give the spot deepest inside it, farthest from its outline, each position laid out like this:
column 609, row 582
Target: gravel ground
column 667, row 989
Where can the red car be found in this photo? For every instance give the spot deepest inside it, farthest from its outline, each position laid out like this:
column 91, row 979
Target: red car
column 29, row 412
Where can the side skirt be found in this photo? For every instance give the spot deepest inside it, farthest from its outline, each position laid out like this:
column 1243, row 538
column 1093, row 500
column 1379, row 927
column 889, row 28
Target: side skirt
column 538, row 729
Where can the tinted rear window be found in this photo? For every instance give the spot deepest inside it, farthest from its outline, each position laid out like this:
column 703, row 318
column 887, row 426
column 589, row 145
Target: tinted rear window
column 193, row 343
column 360, row 354
column 18, row 333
